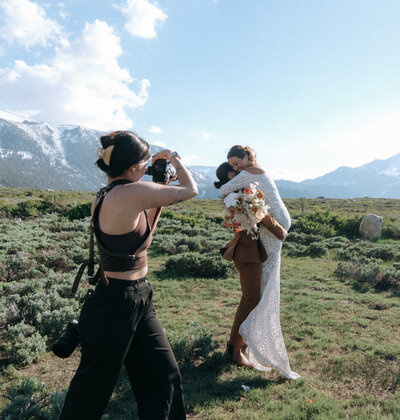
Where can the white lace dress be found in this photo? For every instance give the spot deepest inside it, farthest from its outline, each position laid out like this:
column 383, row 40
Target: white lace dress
column 261, row 330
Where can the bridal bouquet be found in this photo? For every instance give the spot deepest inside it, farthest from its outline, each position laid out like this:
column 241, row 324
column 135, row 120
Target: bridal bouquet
column 249, row 208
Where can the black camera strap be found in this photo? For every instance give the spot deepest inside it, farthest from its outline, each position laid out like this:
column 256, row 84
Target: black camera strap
column 94, row 278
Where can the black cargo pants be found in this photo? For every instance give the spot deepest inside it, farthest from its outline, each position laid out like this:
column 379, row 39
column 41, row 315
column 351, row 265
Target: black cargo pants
column 118, row 325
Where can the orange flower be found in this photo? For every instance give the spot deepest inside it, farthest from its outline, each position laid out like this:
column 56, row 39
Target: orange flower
column 309, row 401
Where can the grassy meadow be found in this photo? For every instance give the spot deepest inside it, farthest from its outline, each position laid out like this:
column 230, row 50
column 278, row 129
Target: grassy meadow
column 340, row 309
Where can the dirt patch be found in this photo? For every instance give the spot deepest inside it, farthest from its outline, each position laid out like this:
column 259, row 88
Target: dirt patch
column 54, row 372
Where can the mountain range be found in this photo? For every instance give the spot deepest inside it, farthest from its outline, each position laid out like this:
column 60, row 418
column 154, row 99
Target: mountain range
column 41, row 155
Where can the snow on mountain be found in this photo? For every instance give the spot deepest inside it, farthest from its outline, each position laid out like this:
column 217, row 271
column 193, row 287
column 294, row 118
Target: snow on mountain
column 36, row 154
column 12, row 117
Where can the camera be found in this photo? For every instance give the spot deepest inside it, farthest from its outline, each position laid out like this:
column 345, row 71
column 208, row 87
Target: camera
column 161, row 171
column 68, row 340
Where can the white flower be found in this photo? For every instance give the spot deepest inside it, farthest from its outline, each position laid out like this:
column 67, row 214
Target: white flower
column 231, row 200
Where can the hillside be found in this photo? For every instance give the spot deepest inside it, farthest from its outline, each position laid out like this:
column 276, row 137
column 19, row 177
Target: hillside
column 37, row 154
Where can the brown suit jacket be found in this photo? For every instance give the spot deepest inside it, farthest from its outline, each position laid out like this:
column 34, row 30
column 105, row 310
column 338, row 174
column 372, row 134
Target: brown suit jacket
column 243, row 248
column 273, row 226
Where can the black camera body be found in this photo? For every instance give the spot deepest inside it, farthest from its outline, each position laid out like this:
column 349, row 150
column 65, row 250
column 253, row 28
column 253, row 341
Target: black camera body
column 161, row 171
column 68, row 341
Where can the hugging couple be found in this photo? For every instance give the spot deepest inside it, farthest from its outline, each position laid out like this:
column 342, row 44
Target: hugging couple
column 260, row 222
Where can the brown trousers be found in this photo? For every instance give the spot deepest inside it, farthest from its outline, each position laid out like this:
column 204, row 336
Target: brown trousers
column 250, row 275
column 248, row 256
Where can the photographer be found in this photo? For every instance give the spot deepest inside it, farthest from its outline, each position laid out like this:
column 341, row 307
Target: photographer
column 118, row 323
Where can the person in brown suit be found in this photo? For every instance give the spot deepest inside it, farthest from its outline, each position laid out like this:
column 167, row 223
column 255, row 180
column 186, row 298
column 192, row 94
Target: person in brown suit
column 248, row 255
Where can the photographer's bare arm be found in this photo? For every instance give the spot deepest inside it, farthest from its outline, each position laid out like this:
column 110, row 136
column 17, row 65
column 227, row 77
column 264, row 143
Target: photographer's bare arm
column 122, row 206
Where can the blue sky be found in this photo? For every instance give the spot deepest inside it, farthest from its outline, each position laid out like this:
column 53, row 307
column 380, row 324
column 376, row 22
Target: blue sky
column 311, row 85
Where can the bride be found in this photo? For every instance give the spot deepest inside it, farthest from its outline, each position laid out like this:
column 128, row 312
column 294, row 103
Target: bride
column 261, row 330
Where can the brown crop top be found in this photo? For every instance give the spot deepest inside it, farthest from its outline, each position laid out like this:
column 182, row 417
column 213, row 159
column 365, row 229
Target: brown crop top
column 122, row 252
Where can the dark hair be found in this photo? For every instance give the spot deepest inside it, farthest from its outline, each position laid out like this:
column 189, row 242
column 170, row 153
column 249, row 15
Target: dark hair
column 129, row 149
column 222, row 173
column 241, row 152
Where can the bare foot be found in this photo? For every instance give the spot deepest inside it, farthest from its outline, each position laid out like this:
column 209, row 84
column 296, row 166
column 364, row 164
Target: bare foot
column 239, row 359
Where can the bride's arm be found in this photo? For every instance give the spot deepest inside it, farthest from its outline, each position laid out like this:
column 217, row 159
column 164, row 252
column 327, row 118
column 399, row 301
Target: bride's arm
column 242, row 180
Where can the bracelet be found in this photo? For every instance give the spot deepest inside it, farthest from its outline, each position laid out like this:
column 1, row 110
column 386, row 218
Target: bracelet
column 174, row 154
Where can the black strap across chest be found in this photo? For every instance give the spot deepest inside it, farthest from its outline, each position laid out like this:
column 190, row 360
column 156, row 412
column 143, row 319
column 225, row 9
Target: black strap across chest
column 94, row 278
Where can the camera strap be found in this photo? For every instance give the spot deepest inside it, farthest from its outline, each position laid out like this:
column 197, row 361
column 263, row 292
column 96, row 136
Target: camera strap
column 89, row 264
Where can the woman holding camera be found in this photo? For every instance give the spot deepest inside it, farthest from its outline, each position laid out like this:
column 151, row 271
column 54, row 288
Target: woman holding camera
column 118, row 324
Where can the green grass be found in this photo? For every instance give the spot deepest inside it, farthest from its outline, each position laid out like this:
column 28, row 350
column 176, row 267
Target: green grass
column 344, row 342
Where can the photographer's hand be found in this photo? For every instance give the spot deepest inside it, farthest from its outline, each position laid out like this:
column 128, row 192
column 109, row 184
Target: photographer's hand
column 162, row 154
column 165, row 195
column 172, row 179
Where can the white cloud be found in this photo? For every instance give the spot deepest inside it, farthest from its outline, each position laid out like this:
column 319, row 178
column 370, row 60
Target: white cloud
column 206, row 135
column 64, row 14
column 158, row 143
column 155, row 130
column 26, row 24
column 83, row 83
column 142, row 17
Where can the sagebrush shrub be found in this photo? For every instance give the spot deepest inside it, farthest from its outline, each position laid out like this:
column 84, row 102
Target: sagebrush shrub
column 382, row 252
column 18, row 266
column 339, row 242
column 191, row 344
column 317, row 249
column 52, row 323
column 55, row 259
column 294, row 249
column 78, row 212
column 327, row 225
column 33, row 207
column 389, row 280
column 303, row 238
column 390, row 230
column 194, row 264
column 369, row 271
column 29, row 400
column 23, row 344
